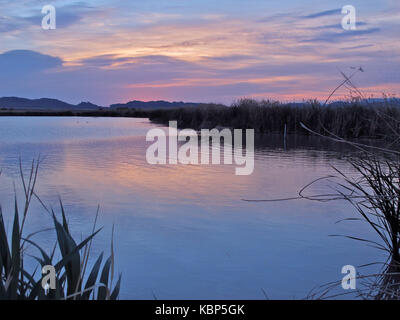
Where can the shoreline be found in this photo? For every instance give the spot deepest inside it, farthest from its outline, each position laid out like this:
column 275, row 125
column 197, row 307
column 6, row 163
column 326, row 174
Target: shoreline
column 350, row 120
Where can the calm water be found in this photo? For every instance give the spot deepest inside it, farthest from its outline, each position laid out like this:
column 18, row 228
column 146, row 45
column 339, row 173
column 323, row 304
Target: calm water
column 183, row 232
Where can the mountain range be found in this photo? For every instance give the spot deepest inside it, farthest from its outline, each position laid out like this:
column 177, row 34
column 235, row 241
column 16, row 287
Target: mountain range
column 153, row 105
column 16, row 103
column 46, row 104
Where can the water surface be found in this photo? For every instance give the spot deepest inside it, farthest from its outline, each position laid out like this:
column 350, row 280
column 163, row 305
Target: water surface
column 184, row 232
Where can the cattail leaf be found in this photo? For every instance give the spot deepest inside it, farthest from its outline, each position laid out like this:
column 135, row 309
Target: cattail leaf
column 115, row 293
column 4, row 247
column 65, row 223
column 68, row 248
column 59, row 265
column 103, row 290
column 15, row 254
column 46, row 259
column 92, row 277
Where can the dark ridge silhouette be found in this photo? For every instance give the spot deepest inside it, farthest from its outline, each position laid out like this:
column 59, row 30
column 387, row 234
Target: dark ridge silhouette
column 46, row 104
column 88, row 105
column 154, row 105
column 43, row 104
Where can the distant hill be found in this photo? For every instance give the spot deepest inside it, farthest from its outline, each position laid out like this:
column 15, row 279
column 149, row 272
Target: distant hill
column 58, row 105
column 154, row 105
column 370, row 101
column 43, row 104
column 88, row 105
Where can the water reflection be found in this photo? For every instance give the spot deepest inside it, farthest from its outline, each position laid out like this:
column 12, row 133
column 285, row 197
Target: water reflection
column 183, row 231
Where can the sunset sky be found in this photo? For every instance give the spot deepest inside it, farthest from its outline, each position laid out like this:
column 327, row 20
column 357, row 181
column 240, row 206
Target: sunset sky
column 109, row 51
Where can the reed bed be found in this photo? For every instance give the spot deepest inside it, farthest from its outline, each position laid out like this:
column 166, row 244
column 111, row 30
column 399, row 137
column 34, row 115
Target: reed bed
column 353, row 119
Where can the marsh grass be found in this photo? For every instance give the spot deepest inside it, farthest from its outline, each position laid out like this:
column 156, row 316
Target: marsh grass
column 351, row 119
column 373, row 189
column 17, row 283
column 375, row 194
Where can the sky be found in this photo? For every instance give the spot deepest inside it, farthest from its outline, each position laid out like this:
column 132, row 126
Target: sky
column 114, row 51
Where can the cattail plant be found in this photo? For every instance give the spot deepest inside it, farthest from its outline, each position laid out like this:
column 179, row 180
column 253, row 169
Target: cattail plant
column 71, row 282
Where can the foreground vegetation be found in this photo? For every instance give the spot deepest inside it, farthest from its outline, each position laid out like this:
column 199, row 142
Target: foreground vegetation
column 18, row 283
column 374, row 192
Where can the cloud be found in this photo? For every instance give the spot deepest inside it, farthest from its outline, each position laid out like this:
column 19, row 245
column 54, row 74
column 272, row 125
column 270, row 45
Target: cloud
column 232, row 58
column 8, row 24
column 157, row 77
column 18, row 62
column 323, row 14
column 104, row 60
column 344, row 35
column 32, row 74
column 31, row 16
column 336, row 26
column 105, row 54
column 358, row 47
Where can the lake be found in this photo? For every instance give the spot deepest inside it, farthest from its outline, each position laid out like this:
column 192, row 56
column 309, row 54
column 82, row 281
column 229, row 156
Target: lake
column 184, row 231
